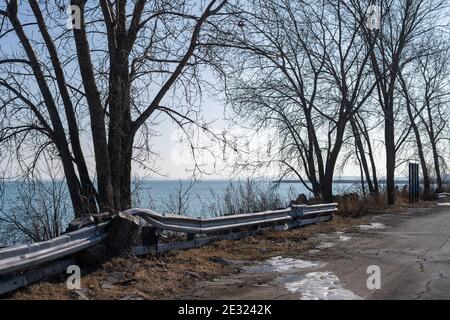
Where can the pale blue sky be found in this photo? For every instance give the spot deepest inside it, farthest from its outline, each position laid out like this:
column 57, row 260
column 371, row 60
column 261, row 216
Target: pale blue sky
column 172, row 163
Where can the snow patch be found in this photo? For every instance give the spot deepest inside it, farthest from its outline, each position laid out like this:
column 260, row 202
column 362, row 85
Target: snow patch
column 372, row 226
column 326, row 245
column 280, row 264
column 319, row 286
column 444, row 204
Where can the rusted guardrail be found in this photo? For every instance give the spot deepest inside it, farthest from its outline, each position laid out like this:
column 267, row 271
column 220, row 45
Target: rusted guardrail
column 23, row 264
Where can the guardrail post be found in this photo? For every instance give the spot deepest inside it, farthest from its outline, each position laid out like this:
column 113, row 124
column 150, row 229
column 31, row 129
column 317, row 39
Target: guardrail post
column 414, row 183
column 297, row 212
column 190, row 236
column 150, row 236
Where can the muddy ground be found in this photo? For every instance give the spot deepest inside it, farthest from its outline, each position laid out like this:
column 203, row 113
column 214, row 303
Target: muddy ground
column 170, row 275
column 235, row 269
column 410, row 250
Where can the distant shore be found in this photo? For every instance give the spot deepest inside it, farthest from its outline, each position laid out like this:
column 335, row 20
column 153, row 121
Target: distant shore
column 349, row 181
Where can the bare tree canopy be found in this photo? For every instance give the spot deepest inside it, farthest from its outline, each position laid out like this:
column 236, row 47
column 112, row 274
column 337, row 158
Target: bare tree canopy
column 112, row 73
column 333, row 87
column 318, row 74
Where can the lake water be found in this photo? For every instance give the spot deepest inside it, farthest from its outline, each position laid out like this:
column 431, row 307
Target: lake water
column 200, row 195
column 160, row 195
column 201, row 199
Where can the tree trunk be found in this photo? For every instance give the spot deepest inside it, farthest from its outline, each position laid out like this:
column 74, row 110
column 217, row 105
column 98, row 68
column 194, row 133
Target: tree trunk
column 330, row 163
column 58, row 135
column 73, row 184
column 87, row 188
column 96, row 112
column 426, row 180
column 365, row 133
column 362, row 155
column 390, row 158
column 123, row 234
column 120, row 148
column 125, row 188
column 361, row 172
column 432, row 139
column 440, row 187
column 327, row 189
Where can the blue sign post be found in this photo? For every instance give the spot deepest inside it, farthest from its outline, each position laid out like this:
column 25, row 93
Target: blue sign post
column 414, row 186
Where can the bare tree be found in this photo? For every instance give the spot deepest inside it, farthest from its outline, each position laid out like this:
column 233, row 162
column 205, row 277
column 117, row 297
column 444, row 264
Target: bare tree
column 364, row 153
column 113, row 73
column 412, row 115
column 179, row 202
column 424, row 86
column 434, row 70
column 404, row 24
column 303, row 69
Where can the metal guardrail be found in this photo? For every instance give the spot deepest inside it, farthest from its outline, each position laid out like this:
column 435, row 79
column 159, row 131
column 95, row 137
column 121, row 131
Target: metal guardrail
column 210, row 225
column 24, row 256
column 298, row 215
column 442, row 195
column 24, row 264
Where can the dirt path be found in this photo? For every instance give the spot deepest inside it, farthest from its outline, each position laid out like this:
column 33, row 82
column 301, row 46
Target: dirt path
column 411, row 249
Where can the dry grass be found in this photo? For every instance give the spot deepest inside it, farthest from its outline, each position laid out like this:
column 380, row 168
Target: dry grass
column 167, row 275
column 373, row 204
